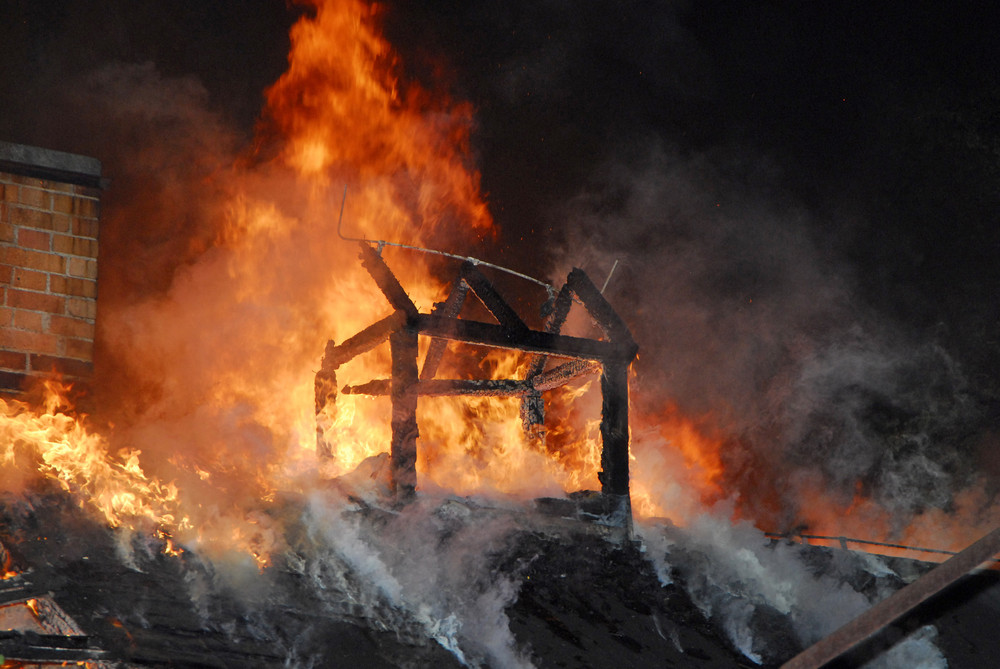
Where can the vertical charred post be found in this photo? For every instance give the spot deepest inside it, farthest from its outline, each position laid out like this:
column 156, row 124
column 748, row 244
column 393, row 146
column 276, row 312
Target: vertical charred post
column 403, row 394
column 614, row 428
column 325, row 388
column 614, row 475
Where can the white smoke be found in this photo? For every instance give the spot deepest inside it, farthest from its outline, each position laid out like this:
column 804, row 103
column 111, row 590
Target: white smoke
column 735, row 574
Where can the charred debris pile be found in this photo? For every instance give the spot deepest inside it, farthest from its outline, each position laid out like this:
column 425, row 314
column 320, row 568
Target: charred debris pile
column 582, row 601
column 572, row 599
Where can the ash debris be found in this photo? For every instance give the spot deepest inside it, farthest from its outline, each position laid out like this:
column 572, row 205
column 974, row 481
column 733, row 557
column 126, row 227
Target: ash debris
column 462, row 582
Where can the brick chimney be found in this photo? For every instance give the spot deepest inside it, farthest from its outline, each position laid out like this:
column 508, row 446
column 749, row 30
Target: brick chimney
column 49, row 207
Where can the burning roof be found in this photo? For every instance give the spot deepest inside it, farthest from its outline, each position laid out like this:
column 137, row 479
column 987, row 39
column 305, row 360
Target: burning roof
column 200, row 477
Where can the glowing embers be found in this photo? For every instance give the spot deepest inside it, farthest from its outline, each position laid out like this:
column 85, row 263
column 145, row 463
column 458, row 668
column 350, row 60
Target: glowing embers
column 403, row 328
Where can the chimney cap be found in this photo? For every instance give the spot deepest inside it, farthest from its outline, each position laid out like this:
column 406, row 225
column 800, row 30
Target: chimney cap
column 33, row 161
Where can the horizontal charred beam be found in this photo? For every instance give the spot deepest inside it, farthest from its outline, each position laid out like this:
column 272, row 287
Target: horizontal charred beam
column 531, row 341
column 563, row 374
column 364, row 341
column 448, row 387
column 27, row 645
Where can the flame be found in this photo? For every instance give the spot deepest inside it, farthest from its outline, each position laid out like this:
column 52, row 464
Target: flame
column 231, row 351
column 677, row 465
column 225, row 360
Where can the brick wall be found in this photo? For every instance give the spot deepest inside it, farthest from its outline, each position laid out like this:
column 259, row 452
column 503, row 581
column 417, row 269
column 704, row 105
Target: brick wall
column 49, row 210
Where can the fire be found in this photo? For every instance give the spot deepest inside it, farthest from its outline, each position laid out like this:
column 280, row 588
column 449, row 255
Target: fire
column 677, row 466
column 59, row 448
column 226, row 359
column 232, row 349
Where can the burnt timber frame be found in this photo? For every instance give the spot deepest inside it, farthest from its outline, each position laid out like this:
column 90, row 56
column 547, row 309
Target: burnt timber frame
column 402, row 328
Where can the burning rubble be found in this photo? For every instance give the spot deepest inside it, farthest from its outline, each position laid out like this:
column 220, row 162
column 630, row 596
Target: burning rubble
column 256, row 489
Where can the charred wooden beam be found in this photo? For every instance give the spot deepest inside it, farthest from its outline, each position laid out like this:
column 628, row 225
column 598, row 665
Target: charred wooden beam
column 553, row 378
column 387, row 281
column 614, row 475
column 896, row 605
column 364, row 341
column 450, row 309
column 553, row 325
column 484, row 290
column 563, row 374
column 599, row 308
column 532, row 341
column 31, row 646
column 325, row 393
column 533, row 415
column 533, row 404
column 402, row 392
column 447, row 387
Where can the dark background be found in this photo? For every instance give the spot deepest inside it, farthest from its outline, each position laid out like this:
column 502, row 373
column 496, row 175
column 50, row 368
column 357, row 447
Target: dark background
column 873, row 128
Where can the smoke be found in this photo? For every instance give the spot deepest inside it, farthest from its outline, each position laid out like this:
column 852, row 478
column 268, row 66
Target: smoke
column 425, row 570
column 757, row 588
column 749, row 322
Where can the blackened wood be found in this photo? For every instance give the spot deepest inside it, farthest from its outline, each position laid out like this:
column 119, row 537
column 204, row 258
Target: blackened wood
column 387, row 281
column 553, row 325
column 902, row 601
column 450, row 308
column 614, row 428
column 533, row 415
column 599, row 308
column 447, row 387
column 488, row 334
column 403, row 451
column 364, row 341
column 484, row 290
column 325, row 393
column 563, row 374
column 49, row 648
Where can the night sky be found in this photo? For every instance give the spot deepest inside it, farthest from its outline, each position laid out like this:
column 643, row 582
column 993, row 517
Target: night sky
column 867, row 132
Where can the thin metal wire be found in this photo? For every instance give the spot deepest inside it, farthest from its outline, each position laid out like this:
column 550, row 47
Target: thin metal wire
column 381, row 243
column 848, row 540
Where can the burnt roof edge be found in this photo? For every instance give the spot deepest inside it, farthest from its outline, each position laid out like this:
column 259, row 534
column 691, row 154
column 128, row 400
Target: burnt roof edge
column 36, row 162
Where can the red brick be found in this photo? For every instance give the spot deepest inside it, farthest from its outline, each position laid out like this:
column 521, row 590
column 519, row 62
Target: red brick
column 75, row 287
column 6, row 316
column 84, row 228
column 81, row 308
column 34, row 239
column 23, row 299
column 62, row 204
column 61, row 223
column 28, row 320
column 33, row 197
column 29, row 280
column 49, row 363
column 31, row 218
column 6, row 274
column 34, row 342
column 13, row 360
column 7, row 232
column 80, row 267
column 81, row 349
column 77, row 246
column 21, row 180
column 60, row 186
column 85, row 207
column 8, row 193
column 71, row 327
column 45, row 262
